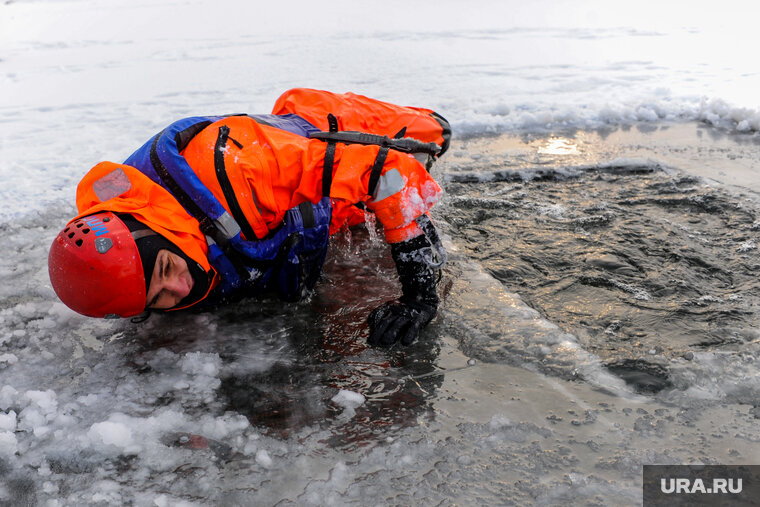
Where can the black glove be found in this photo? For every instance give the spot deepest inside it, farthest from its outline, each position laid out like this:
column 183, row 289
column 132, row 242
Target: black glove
column 398, row 322
column 402, row 320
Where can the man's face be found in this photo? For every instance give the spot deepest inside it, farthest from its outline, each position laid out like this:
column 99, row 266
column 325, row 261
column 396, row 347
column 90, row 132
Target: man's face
column 170, row 283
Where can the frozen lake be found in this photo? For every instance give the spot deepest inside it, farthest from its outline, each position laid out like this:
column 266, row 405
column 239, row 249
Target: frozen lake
column 600, row 309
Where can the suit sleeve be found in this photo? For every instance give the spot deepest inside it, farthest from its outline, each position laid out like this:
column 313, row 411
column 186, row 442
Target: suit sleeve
column 405, row 190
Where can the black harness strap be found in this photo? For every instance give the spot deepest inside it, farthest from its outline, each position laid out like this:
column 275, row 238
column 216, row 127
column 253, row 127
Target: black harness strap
column 184, row 137
column 377, row 168
column 398, row 143
column 226, row 185
column 332, row 121
column 405, row 145
column 307, row 214
column 446, row 131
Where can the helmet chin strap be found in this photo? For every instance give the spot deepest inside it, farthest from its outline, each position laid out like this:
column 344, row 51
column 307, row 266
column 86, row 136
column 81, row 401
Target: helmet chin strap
column 143, row 233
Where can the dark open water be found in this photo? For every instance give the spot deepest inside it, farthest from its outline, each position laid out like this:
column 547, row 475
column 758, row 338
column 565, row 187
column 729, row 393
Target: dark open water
column 633, row 260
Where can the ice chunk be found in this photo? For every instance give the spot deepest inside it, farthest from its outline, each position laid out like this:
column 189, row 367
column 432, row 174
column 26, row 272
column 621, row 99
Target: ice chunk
column 111, row 433
column 348, row 399
column 45, row 400
column 8, row 421
column 31, row 419
column 7, row 397
column 8, row 358
column 88, row 400
column 8, row 443
column 263, row 459
column 161, row 501
column 198, row 363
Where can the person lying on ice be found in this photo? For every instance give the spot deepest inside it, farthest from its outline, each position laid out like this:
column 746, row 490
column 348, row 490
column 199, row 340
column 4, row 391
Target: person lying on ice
column 217, row 208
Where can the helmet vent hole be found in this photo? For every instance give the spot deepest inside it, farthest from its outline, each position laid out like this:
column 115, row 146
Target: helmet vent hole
column 85, row 231
column 71, row 235
column 79, row 225
column 79, row 242
column 66, row 229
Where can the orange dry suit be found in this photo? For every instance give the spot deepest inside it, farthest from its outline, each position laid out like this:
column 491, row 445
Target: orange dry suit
column 253, row 198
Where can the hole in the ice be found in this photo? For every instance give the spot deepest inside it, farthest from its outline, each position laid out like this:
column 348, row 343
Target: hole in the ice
column 644, row 377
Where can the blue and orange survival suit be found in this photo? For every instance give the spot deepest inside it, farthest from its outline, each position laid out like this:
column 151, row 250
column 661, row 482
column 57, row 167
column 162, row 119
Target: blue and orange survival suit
column 220, row 207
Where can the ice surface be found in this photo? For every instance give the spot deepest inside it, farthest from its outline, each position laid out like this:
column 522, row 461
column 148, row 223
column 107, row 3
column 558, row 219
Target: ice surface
column 266, row 403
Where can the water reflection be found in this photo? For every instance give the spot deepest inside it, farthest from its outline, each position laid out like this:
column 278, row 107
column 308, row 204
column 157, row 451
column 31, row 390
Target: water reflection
column 558, row 146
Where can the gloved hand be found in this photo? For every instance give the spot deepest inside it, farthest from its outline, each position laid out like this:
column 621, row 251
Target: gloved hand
column 402, row 320
column 395, row 321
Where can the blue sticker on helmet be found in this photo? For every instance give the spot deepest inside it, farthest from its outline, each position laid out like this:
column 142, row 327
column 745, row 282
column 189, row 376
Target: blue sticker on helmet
column 96, row 225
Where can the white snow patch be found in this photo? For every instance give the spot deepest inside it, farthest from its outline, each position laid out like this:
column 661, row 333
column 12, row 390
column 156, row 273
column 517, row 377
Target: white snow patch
column 412, row 204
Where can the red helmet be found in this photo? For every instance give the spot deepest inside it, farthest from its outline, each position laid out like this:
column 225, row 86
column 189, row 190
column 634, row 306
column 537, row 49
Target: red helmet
column 95, row 267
